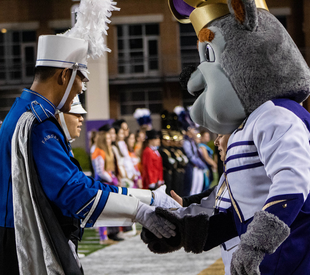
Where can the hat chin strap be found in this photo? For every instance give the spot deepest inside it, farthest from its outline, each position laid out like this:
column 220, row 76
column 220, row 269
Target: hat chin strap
column 64, row 126
column 67, row 92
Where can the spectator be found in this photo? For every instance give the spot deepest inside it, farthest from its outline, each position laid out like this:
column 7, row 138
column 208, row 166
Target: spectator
column 152, row 164
column 207, row 155
column 140, row 138
column 120, row 158
column 193, row 180
column 104, row 167
column 130, row 141
column 168, row 159
column 92, row 141
column 103, row 159
column 121, row 123
column 181, row 159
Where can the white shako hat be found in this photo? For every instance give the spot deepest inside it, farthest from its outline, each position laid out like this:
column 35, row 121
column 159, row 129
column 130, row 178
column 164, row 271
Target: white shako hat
column 85, row 39
column 63, row 52
column 76, row 108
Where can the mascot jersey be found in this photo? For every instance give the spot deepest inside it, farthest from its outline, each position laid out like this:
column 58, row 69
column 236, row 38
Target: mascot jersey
column 271, row 156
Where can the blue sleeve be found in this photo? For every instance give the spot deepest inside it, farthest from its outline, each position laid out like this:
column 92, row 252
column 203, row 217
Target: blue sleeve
column 195, row 160
column 64, row 185
column 286, row 207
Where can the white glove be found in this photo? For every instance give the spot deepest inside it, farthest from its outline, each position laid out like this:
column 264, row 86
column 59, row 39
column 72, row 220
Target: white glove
column 163, row 200
column 160, row 227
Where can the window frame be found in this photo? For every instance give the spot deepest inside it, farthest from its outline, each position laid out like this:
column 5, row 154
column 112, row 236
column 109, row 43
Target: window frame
column 9, row 57
column 128, row 66
column 145, row 103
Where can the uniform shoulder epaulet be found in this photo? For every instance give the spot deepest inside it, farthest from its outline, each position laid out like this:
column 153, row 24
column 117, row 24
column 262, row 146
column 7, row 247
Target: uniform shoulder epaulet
column 39, row 111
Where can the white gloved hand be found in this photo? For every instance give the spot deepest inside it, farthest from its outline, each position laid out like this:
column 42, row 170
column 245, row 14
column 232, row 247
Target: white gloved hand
column 163, row 200
column 160, row 227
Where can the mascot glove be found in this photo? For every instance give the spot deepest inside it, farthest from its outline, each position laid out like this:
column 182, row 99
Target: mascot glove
column 163, row 200
column 264, row 235
column 191, row 232
column 159, row 226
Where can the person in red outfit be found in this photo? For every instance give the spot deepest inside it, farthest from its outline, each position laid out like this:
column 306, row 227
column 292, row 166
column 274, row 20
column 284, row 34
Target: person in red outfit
column 152, row 174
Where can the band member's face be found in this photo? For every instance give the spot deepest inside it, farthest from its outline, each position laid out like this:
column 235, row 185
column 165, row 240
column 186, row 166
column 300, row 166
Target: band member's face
column 74, row 124
column 221, row 143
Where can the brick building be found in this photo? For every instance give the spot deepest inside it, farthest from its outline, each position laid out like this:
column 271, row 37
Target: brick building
column 149, row 49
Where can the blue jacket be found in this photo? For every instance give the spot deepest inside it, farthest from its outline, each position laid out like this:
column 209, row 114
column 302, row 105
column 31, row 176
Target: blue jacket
column 65, row 186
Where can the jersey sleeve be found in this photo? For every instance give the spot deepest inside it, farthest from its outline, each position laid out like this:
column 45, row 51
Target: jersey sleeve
column 75, row 194
column 282, row 141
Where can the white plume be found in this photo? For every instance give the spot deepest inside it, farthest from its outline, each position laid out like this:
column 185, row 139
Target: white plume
column 92, row 23
column 178, row 110
column 141, row 112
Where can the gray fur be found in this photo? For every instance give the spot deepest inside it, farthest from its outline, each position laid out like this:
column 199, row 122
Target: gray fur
column 251, row 21
column 264, row 235
column 262, row 64
column 266, row 232
column 253, row 259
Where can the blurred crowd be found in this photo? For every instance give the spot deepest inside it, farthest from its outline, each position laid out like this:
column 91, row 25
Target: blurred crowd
column 178, row 156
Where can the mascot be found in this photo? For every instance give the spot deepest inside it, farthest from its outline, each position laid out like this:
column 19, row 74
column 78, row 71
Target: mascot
column 250, row 83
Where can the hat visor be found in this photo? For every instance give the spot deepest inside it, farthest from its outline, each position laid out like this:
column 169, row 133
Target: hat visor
column 77, row 109
column 85, row 74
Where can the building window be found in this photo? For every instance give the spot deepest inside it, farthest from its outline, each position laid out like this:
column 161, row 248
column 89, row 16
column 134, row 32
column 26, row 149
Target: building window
column 188, row 46
column 17, row 56
column 142, row 98
column 137, row 46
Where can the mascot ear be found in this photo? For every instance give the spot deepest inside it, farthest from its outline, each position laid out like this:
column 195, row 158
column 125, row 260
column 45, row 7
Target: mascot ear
column 245, row 13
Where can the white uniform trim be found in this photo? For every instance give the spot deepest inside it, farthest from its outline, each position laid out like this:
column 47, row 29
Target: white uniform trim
column 64, row 125
column 68, row 89
column 98, row 196
column 119, row 210
column 143, row 195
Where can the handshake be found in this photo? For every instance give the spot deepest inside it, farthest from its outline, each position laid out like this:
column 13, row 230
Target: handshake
column 183, row 235
column 167, row 228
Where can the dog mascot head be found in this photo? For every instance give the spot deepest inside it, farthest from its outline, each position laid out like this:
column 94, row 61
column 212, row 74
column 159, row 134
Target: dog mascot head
column 246, row 58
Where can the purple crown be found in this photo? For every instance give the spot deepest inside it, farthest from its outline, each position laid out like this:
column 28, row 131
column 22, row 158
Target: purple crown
column 182, row 8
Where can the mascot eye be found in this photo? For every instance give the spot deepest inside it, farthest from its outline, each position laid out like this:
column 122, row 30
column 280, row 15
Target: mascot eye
column 209, row 54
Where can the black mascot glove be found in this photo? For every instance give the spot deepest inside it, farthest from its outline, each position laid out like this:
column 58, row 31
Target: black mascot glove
column 264, row 235
column 191, row 232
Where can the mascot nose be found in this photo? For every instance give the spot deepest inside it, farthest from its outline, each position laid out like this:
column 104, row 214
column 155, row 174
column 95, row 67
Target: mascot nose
column 185, row 75
column 192, row 80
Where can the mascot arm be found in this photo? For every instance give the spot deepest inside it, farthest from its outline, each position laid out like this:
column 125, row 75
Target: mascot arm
column 283, row 147
column 264, row 235
column 221, row 229
column 197, row 197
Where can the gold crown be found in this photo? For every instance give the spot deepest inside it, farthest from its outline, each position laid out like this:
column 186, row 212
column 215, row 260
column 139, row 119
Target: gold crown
column 206, row 11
